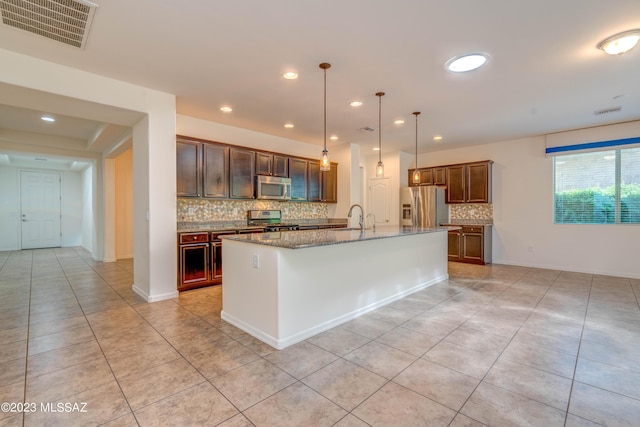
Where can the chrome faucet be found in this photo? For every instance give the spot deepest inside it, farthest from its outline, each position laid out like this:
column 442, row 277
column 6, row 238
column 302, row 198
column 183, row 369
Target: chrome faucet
column 374, row 221
column 361, row 221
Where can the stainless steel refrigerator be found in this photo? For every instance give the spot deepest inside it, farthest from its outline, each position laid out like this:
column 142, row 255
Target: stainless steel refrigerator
column 423, row 206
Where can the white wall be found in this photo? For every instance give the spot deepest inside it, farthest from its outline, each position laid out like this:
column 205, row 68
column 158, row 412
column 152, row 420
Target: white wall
column 198, row 128
column 523, row 214
column 9, row 209
column 88, row 224
column 71, row 208
column 152, row 115
column 124, row 205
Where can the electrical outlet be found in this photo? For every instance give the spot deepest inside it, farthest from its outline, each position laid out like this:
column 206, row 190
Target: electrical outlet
column 191, row 211
column 256, row 261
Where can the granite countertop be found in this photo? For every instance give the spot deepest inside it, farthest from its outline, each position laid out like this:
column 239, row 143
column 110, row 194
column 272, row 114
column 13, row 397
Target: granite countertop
column 185, row 227
column 312, row 238
column 468, row 222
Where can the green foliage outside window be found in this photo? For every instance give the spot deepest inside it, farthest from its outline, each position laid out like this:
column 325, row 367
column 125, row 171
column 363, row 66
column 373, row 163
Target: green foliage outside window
column 597, row 205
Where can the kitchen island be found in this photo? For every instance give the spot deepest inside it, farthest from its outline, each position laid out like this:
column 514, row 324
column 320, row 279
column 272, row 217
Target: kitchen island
column 284, row 287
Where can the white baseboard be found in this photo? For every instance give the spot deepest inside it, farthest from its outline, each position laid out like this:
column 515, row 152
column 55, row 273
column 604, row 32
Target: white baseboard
column 154, row 298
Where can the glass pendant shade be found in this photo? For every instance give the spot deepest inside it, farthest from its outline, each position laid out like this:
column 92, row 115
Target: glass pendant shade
column 416, row 176
column 325, row 165
column 380, row 170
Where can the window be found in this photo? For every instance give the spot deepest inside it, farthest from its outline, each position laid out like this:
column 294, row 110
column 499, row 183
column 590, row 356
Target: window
column 598, row 188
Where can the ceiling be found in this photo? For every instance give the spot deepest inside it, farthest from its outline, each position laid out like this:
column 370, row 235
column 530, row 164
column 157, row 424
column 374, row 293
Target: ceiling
column 544, row 75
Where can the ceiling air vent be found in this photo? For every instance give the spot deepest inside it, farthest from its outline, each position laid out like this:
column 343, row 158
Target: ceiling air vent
column 65, row 21
column 607, row 111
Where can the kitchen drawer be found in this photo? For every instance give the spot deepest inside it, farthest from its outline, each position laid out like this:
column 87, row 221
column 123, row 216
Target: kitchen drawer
column 472, row 229
column 186, row 238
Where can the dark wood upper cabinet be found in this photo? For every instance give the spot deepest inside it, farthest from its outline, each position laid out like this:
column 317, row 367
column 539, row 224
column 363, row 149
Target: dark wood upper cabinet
column 313, row 181
column 263, row 163
column 215, row 171
column 241, row 173
column 298, row 175
column 280, row 166
column 456, row 184
column 479, row 183
column 272, row 164
column 330, row 184
column 469, row 183
column 188, row 168
column 426, row 177
column 440, row 176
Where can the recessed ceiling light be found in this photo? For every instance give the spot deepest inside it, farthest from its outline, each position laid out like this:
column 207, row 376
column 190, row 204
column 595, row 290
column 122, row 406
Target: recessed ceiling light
column 355, row 103
column 376, row 148
column 226, row 109
column 47, row 119
column 620, row 43
column 398, row 122
column 288, row 125
column 437, row 138
column 333, row 137
column 290, row 75
column 464, row 63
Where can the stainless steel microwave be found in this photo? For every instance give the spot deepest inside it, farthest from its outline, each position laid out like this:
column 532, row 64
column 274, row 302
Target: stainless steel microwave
column 273, row 188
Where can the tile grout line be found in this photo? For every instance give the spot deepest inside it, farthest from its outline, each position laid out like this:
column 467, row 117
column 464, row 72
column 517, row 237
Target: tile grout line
column 26, row 356
column 575, row 367
column 92, row 330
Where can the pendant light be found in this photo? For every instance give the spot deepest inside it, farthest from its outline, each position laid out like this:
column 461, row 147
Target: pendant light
column 325, row 165
column 416, row 173
column 380, row 165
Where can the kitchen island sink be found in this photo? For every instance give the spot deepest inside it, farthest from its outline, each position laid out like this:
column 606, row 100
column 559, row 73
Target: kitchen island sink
column 285, row 287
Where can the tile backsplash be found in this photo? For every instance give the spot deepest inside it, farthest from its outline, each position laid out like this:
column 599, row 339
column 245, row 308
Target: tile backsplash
column 205, row 210
column 479, row 211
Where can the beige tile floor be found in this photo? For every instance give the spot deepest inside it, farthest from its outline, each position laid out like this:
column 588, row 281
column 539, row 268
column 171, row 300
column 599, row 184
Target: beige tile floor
column 494, row 345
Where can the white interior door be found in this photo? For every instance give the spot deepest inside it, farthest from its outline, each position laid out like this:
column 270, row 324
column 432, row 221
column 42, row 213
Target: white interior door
column 380, row 199
column 40, row 209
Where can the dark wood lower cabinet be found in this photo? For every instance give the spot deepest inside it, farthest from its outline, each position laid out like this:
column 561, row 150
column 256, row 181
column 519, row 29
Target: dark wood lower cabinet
column 193, row 266
column 471, row 244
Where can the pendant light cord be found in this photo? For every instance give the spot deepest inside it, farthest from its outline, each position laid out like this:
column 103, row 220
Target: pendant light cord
column 416, row 113
column 325, row 109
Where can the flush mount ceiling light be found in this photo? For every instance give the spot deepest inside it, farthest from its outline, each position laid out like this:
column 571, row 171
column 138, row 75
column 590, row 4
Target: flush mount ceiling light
column 226, row 109
column 380, row 165
column 325, row 165
column 290, row 75
column 355, row 103
column 47, row 119
column 469, row 62
column 620, row 43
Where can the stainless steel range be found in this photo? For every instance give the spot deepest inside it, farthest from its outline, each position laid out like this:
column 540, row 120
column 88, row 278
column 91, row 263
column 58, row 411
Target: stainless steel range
column 271, row 219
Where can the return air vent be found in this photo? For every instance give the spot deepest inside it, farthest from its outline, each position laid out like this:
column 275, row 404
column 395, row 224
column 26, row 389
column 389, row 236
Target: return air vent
column 65, row 21
column 607, row 111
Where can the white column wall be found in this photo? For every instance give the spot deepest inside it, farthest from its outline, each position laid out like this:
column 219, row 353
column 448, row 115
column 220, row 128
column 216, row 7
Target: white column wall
column 153, row 117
